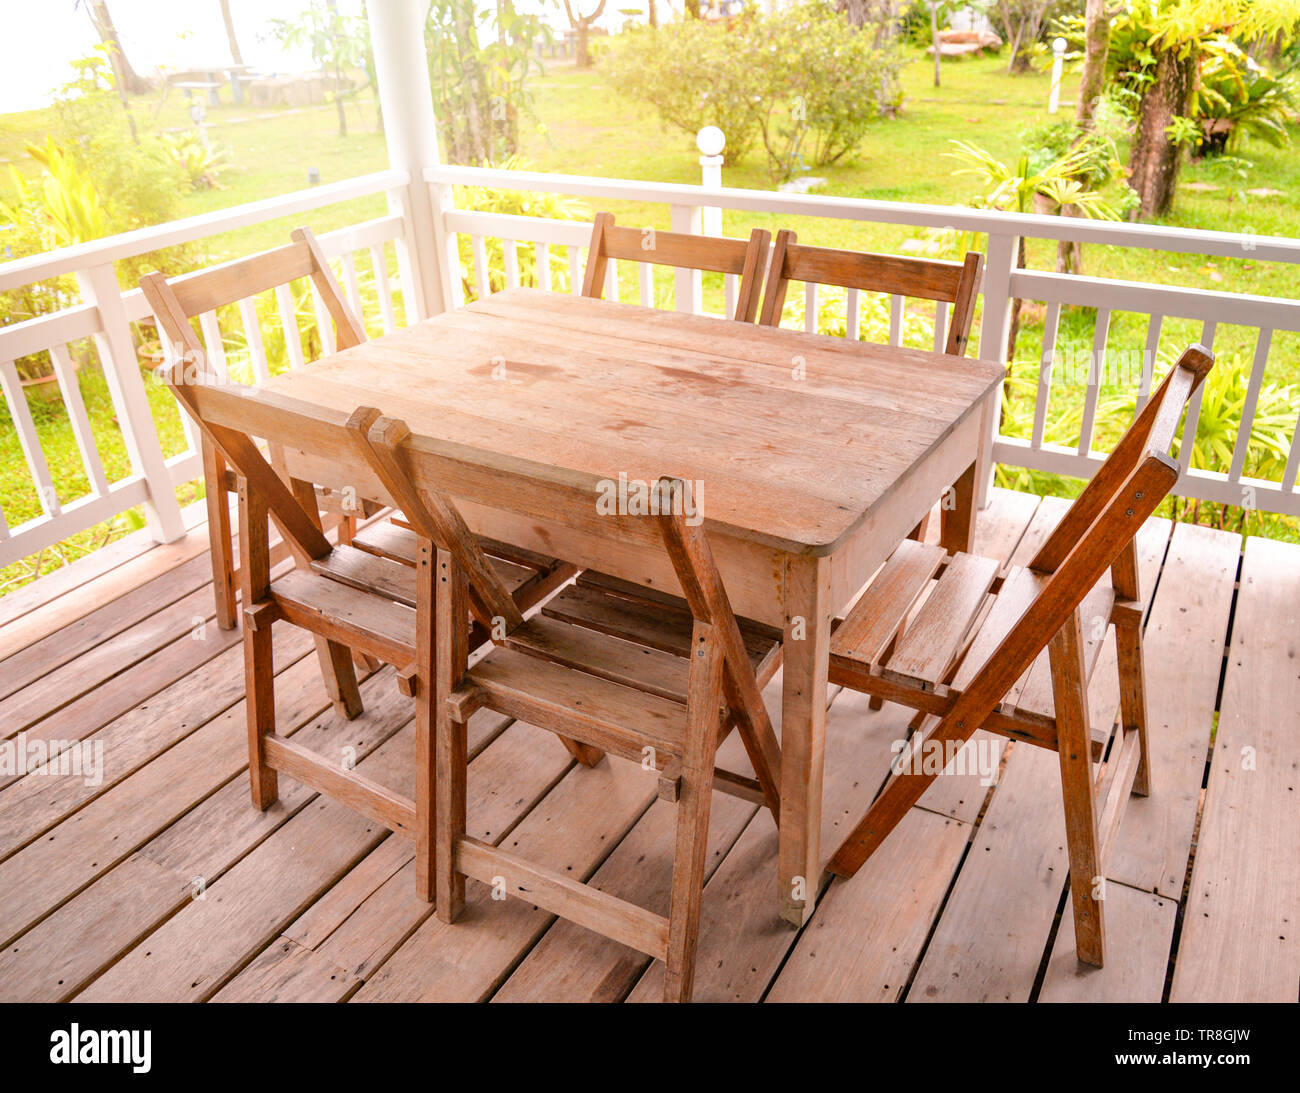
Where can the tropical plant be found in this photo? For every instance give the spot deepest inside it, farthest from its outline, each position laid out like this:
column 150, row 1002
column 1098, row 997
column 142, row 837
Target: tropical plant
column 336, row 42
column 201, row 164
column 1061, row 183
column 1158, row 48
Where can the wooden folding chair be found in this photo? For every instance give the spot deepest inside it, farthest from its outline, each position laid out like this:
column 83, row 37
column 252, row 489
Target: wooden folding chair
column 951, row 285
column 347, row 598
column 682, row 251
column 195, row 294
column 1022, row 667
column 175, row 303
column 946, row 283
column 662, row 707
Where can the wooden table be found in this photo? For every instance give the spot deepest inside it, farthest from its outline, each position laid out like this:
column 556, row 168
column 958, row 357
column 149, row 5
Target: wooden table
column 816, row 456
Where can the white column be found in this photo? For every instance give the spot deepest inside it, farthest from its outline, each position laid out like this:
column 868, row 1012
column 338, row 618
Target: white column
column 1058, row 66
column 710, row 141
column 406, row 100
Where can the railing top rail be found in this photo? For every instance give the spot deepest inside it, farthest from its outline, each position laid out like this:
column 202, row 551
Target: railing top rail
column 1269, row 248
column 38, row 267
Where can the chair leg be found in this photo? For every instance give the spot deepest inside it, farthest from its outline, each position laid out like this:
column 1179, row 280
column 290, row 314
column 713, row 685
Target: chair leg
column 259, row 668
column 340, row 677
column 1133, row 699
column 691, row 850
column 220, row 550
column 1074, row 749
column 449, row 655
column 450, row 773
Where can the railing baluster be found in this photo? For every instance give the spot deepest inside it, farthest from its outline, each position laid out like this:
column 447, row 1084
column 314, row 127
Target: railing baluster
column 1096, row 366
column 28, row 438
column 645, row 273
column 730, row 286
column 611, row 280
column 853, row 315
column 940, row 326
column 512, row 262
column 121, row 368
column 687, row 292
column 544, row 267
column 1043, row 395
column 289, row 324
column 213, row 344
column 482, row 282
column 1149, row 354
column 379, row 263
column 324, row 324
column 80, row 420
column 896, row 306
column 253, row 336
column 1292, row 461
column 1240, row 448
column 575, row 270
column 352, row 285
column 1193, row 419
column 809, row 307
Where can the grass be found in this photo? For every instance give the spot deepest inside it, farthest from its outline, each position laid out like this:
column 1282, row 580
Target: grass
column 585, row 129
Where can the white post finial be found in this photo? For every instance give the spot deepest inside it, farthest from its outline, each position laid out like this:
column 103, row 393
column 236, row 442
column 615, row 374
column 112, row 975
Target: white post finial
column 711, row 141
column 1058, row 65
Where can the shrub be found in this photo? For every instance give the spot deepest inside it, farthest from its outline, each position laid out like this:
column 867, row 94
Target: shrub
column 804, row 81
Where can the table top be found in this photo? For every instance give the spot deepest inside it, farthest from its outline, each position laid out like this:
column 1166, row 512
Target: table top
column 793, row 437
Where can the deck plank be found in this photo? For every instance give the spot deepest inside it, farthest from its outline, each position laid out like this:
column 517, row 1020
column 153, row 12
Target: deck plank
column 1184, row 641
column 571, row 831
column 69, row 642
column 33, row 804
column 571, row 964
column 1239, row 936
column 194, row 825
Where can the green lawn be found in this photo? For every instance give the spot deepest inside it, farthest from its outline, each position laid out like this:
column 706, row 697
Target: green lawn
column 585, row 129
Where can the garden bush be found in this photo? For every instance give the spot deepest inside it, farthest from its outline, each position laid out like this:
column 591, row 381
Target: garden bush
column 803, row 82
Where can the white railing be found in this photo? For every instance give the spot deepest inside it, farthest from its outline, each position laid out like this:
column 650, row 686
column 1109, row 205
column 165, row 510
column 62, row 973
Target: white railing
column 104, row 314
column 1002, row 282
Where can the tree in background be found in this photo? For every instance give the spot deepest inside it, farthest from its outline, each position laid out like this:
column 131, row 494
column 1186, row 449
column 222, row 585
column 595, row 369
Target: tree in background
column 1096, row 41
column 228, row 19
column 335, row 42
column 1170, row 39
column 128, row 80
column 481, row 84
column 1022, row 23
column 582, row 25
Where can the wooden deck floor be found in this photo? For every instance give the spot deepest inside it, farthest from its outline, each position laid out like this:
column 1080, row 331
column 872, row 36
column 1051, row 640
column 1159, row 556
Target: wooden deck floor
column 161, row 882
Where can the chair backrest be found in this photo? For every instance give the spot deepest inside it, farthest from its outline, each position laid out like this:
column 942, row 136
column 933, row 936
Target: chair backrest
column 954, row 283
column 434, row 515
column 1096, row 534
column 194, row 294
column 703, row 252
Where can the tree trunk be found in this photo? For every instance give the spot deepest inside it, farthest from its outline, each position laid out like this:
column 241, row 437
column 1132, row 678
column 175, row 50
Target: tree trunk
column 651, row 15
column 1096, row 45
column 1154, row 160
column 582, row 51
column 127, row 77
column 934, row 39
column 235, row 55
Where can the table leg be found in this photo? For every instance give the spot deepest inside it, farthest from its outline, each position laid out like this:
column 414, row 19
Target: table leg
column 957, row 519
column 805, row 663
